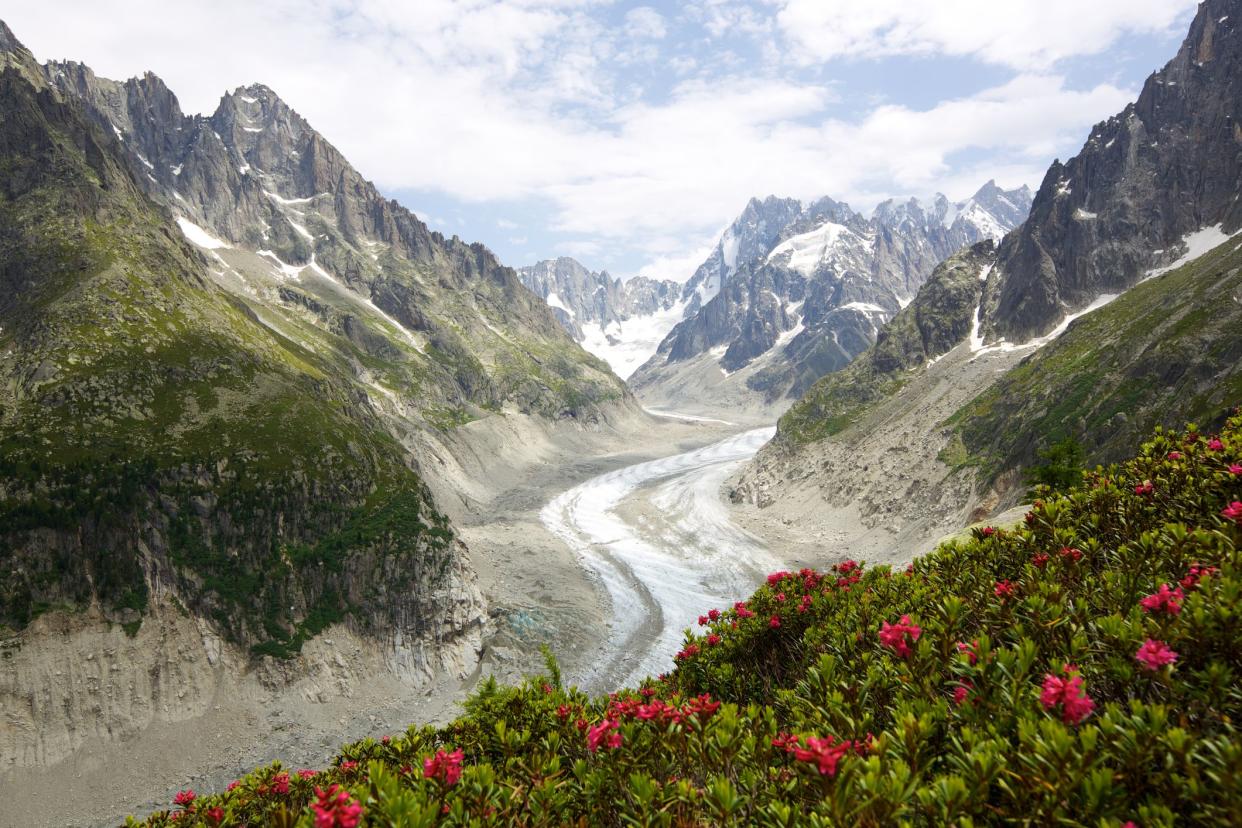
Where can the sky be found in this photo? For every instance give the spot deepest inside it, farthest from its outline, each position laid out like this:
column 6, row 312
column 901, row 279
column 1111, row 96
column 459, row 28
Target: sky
column 628, row 135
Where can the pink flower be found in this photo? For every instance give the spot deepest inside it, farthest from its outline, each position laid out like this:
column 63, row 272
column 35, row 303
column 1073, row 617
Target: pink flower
column 214, row 815
column 1195, row 574
column 689, row 651
column 1004, row 589
column 988, row 531
column 1144, row 488
column 1164, row 600
column 826, row 753
column 307, row 773
column 1215, row 444
column 184, row 798
column 444, row 766
column 1075, row 704
column 774, row 621
column 713, row 615
column 894, row 636
column 846, row 566
column 971, row 650
column 1233, row 512
column 962, row 692
column 1071, row 552
column 785, row 741
column 606, row 733
column 1175, row 455
column 780, row 596
column 777, row 577
column 335, row 808
column 1154, row 654
column 280, row 783
column 232, row 786
column 713, row 640
column 702, row 620
column 1235, row 468
column 1040, row 559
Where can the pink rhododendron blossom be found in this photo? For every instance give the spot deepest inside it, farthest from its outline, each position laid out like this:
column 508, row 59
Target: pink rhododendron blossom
column 1071, row 552
column 1195, row 574
column 1154, row 654
column 1041, row 559
column 334, row 808
column 446, row 767
column 898, row 637
column 1215, row 444
column 605, row 734
column 1235, row 468
column 774, row 621
column 184, row 798
column 962, row 692
column 307, row 773
column 777, row 577
column 1069, row 694
column 214, row 815
column 1233, row 512
column 1004, row 589
column 988, row 531
column 826, row 753
column 713, row 640
column 1164, row 600
column 1144, row 488
column 1175, row 455
column 971, row 650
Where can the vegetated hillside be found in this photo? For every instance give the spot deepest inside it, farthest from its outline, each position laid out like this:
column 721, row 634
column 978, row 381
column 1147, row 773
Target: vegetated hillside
column 155, row 434
column 1164, row 352
column 1080, row 669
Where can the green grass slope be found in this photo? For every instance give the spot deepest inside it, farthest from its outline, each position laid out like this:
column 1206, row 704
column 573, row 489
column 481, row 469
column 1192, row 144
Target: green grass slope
column 1080, row 669
column 153, row 431
column 1165, row 352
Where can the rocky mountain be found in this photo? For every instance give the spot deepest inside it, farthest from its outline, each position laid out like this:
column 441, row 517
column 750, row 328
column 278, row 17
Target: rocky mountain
column 620, row 322
column 1163, row 168
column 1112, row 309
column 226, row 360
column 795, row 291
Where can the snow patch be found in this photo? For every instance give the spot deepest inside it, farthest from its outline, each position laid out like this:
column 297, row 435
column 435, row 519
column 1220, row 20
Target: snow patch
column 200, row 237
column 807, row 250
column 627, row 345
column 1083, row 215
column 555, row 301
column 1197, row 243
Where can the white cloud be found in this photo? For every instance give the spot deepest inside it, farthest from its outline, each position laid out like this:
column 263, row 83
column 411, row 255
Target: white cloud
column 1024, row 34
column 644, row 21
column 504, row 100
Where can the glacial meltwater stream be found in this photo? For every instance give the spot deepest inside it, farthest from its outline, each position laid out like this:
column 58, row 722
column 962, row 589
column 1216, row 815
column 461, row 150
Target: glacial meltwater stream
column 665, row 560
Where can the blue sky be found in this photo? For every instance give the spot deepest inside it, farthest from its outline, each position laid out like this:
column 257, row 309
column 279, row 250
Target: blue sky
column 628, row 134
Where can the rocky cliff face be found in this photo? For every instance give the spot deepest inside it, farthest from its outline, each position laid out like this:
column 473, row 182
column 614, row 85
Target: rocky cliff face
column 793, row 292
column 1164, row 167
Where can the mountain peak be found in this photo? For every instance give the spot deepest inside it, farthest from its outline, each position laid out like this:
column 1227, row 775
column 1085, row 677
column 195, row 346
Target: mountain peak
column 9, row 41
